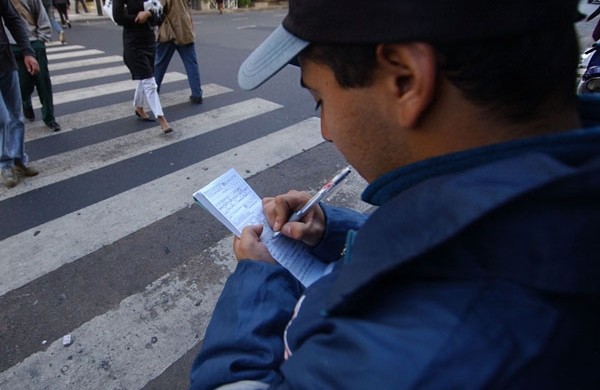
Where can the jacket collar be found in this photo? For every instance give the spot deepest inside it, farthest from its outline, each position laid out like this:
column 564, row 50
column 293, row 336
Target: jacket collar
column 474, row 183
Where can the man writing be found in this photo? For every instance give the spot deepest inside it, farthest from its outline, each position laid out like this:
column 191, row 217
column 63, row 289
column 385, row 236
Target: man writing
column 479, row 268
column 12, row 129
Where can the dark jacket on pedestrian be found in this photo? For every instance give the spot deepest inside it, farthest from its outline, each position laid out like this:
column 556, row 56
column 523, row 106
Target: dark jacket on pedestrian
column 12, row 21
column 138, row 39
column 479, row 269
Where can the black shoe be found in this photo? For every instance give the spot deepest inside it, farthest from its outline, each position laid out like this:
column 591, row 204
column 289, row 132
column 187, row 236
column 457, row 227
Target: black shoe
column 196, row 99
column 69, row 24
column 53, row 126
column 29, row 114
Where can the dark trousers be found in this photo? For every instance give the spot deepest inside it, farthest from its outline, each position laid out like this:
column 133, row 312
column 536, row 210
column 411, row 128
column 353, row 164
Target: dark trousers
column 40, row 81
column 62, row 12
column 82, row 6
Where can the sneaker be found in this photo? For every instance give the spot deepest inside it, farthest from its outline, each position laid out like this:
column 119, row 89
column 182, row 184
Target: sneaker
column 23, row 170
column 196, row 99
column 29, row 114
column 61, row 37
column 53, row 126
column 10, row 178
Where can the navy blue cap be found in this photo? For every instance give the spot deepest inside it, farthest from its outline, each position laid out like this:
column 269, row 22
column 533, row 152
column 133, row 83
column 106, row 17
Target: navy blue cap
column 390, row 21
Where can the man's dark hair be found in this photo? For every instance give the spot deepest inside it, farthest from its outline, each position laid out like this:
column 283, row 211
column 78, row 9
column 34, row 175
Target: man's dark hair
column 513, row 77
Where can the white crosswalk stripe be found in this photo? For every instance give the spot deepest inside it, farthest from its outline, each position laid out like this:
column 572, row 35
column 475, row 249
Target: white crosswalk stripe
column 89, row 74
column 57, row 49
column 81, row 63
column 148, row 331
column 75, row 162
column 74, row 54
column 104, row 89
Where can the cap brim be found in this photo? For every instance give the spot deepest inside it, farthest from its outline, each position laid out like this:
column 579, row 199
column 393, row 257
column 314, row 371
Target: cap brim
column 266, row 60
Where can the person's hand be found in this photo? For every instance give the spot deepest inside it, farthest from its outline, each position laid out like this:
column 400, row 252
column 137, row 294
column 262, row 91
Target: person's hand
column 142, row 17
column 278, row 210
column 249, row 247
column 31, row 65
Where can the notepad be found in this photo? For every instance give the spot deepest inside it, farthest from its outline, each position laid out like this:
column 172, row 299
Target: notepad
column 234, row 203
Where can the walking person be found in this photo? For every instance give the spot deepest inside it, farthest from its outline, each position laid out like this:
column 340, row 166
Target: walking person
column 478, row 267
column 62, row 7
column 12, row 128
column 49, row 7
column 177, row 33
column 83, row 6
column 139, row 47
column 220, row 6
column 34, row 15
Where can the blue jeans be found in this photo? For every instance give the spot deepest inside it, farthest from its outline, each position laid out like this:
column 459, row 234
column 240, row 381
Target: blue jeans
column 12, row 127
column 164, row 53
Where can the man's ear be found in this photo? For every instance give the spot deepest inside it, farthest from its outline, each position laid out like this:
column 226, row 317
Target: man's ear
column 412, row 71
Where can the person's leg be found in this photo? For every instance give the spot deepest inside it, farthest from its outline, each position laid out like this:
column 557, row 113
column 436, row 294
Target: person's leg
column 138, row 97
column 64, row 14
column 149, row 86
column 188, row 57
column 164, row 52
column 61, row 14
column 12, row 131
column 44, row 86
column 56, row 26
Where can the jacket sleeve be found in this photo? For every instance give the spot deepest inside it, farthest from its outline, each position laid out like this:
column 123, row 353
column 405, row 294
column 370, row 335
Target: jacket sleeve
column 16, row 26
column 244, row 339
column 120, row 15
column 339, row 221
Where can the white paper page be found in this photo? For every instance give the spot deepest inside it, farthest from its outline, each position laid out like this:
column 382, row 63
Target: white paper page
column 231, row 200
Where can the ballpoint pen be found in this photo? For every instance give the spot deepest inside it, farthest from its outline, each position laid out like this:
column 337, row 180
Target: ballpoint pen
column 319, row 196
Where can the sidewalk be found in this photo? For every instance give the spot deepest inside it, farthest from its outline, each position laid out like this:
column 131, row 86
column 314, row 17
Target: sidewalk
column 92, row 15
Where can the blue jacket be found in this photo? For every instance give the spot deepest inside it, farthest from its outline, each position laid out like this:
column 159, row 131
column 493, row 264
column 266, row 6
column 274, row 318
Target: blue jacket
column 479, row 269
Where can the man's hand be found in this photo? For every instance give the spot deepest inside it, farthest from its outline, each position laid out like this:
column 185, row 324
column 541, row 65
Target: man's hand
column 309, row 230
column 249, row 246
column 31, row 65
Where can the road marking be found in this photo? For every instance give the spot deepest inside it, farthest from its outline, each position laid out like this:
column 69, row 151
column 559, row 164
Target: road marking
column 66, row 239
column 81, row 63
column 104, row 89
column 81, row 53
column 126, row 347
column 66, row 165
column 89, row 74
column 94, row 116
column 56, row 49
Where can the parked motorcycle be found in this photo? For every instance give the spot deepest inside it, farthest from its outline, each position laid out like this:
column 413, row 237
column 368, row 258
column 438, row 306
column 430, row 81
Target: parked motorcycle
column 590, row 61
column 590, row 80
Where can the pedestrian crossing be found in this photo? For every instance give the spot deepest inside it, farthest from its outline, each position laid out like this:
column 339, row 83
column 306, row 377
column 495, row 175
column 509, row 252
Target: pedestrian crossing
column 122, row 344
